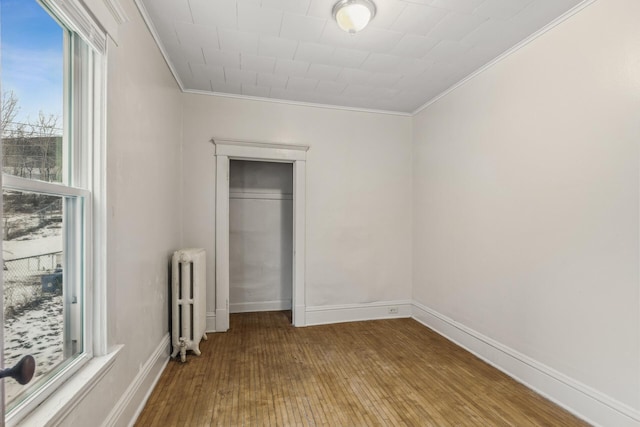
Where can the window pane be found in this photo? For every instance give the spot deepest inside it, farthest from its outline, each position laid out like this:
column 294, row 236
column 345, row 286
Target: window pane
column 40, row 316
column 32, row 46
column 45, row 72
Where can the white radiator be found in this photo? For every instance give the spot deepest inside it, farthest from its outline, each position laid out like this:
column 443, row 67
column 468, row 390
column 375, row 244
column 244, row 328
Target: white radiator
column 188, row 301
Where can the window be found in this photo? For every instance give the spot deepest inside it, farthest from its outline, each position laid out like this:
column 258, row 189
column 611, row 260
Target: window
column 51, row 94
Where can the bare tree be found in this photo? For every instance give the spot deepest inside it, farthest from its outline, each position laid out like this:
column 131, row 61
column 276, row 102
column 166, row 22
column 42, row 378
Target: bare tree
column 45, row 127
column 29, row 149
column 9, row 109
column 9, row 129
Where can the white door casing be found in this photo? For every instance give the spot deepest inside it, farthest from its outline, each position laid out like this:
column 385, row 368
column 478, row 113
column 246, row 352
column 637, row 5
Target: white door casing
column 226, row 150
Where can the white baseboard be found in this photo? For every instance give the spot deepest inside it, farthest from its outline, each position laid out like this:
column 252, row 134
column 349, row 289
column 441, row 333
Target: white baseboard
column 583, row 401
column 128, row 408
column 248, row 307
column 357, row 312
column 222, row 320
column 211, row 321
column 300, row 316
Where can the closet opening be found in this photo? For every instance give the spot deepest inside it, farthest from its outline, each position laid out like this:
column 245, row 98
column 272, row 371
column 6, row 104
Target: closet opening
column 260, row 236
column 293, row 157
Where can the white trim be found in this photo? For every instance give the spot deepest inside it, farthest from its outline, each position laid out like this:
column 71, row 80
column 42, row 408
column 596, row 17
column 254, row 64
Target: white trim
column 249, row 307
column 222, row 143
column 211, row 322
column 152, row 29
column 298, row 294
column 50, row 391
column 222, row 243
column 327, row 314
column 75, row 15
column 296, row 103
column 98, row 185
column 130, row 405
column 577, row 8
column 70, row 394
column 24, row 184
column 117, row 11
column 580, row 399
column 108, row 14
column 250, row 150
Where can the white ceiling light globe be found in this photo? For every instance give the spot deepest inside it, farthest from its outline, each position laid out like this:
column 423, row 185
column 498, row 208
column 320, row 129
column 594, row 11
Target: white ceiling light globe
column 353, row 15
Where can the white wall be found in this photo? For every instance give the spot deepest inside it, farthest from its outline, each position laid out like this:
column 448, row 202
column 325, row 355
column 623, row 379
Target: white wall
column 260, row 236
column 144, row 222
column 526, row 192
column 358, row 191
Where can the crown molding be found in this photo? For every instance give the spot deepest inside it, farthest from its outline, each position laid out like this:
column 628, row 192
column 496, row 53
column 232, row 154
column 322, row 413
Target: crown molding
column 152, row 29
column 297, row 103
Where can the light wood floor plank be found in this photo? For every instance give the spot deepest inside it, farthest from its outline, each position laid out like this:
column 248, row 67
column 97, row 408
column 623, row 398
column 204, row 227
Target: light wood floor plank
column 265, row 372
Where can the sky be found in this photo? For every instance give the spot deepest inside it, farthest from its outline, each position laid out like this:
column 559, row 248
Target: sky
column 31, row 58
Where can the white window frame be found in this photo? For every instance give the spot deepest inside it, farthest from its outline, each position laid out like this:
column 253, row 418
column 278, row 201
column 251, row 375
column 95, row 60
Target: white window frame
column 87, row 83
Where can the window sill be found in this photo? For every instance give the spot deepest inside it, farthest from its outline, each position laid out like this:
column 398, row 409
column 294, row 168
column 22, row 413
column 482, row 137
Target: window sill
column 57, row 406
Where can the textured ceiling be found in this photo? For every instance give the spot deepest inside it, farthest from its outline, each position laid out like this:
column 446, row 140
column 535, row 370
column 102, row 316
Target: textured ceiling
column 293, row 50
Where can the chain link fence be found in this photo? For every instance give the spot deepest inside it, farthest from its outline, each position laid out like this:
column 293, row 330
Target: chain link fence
column 31, row 280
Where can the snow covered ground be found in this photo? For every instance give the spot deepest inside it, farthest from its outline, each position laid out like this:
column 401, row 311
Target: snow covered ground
column 37, row 332
column 33, row 320
column 13, row 249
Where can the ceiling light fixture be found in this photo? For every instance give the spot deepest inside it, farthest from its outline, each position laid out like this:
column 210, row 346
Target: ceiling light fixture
column 353, row 15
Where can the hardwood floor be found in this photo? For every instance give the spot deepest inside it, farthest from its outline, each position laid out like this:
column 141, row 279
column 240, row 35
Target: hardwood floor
column 265, row 372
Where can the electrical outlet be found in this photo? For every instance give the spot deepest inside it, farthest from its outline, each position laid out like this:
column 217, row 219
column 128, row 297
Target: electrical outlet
column 392, row 310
